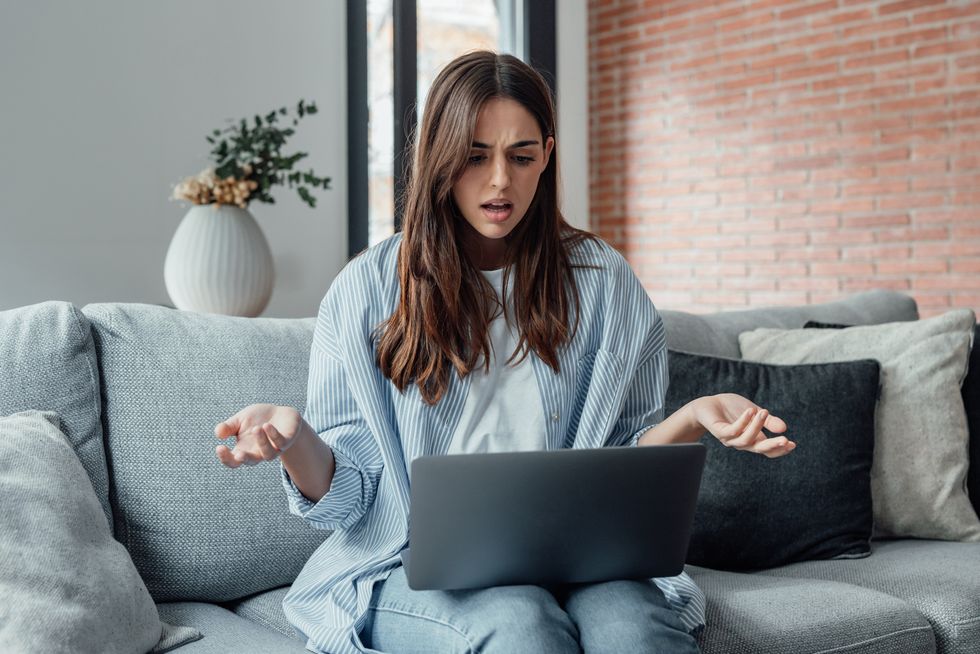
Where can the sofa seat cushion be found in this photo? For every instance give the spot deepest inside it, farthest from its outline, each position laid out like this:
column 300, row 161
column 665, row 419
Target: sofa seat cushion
column 760, row 614
column 47, row 363
column 225, row 632
column 198, row 531
column 266, row 609
column 940, row 579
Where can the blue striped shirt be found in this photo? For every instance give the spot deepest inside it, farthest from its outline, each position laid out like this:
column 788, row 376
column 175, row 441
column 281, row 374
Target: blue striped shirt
column 610, row 390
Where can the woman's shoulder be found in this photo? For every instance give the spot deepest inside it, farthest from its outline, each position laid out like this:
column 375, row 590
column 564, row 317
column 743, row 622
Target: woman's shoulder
column 375, row 264
column 593, row 257
column 370, row 277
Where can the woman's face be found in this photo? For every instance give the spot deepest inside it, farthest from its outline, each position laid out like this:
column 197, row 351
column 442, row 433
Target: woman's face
column 506, row 160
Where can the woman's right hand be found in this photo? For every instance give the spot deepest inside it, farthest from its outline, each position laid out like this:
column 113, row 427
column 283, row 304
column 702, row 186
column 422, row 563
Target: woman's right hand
column 262, row 432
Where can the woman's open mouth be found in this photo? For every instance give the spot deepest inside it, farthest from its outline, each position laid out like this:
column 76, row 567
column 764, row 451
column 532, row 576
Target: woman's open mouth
column 497, row 211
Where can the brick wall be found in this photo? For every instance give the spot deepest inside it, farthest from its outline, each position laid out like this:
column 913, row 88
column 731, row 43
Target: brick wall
column 760, row 152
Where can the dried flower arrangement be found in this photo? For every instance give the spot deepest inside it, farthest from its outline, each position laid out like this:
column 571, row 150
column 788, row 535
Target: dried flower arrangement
column 248, row 163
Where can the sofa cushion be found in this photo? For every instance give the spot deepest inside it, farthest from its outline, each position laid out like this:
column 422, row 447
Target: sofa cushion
column 65, row 583
column 918, row 479
column 226, row 632
column 717, row 333
column 940, row 579
column 761, row 614
column 971, row 401
column 196, row 529
column 814, row 503
column 266, row 609
column 47, row 362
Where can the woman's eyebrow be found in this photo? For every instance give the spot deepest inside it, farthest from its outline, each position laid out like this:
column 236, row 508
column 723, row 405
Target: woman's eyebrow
column 519, row 144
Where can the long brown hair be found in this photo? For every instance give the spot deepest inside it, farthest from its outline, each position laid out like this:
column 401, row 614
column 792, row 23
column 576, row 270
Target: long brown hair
column 446, row 305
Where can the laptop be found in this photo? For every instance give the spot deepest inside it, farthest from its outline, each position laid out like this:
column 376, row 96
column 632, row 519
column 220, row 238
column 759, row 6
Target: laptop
column 551, row 517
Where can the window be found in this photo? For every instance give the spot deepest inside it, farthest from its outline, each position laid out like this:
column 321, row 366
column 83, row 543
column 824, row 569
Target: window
column 407, row 43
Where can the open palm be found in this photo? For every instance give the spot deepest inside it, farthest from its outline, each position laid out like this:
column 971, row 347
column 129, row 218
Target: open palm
column 738, row 422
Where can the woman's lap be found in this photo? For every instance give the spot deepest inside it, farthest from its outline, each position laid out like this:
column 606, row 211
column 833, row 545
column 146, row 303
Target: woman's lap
column 614, row 616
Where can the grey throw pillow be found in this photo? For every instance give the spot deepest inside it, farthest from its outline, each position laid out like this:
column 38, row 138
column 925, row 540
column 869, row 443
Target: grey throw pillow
column 65, row 584
column 918, row 477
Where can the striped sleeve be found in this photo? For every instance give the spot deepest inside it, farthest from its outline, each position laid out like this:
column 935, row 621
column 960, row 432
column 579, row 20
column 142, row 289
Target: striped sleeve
column 333, row 414
column 645, row 399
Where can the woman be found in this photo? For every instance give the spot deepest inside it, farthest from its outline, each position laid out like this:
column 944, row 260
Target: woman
column 488, row 324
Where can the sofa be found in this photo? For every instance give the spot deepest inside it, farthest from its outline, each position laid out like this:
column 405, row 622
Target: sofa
column 138, row 389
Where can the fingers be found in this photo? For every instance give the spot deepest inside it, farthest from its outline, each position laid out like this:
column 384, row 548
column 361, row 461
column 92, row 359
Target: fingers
column 752, row 432
column 775, row 424
column 737, row 427
column 276, row 439
column 774, row 447
column 226, row 457
column 254, row 446
column 228, row 428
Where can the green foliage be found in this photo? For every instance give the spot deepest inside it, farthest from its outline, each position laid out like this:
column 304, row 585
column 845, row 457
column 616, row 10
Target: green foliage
column 255, row 153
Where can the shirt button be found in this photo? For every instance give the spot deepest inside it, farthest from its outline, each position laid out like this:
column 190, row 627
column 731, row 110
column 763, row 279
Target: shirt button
column 555, row 416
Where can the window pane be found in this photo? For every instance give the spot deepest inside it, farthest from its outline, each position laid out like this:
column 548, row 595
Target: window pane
column 447, row 29
column 381, row 206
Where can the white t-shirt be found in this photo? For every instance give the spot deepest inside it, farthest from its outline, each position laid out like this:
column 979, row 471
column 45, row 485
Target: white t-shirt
column 503, row 410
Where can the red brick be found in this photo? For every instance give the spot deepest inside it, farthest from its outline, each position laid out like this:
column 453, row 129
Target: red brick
column 875, row 252
column 948, row 282
column 748, row 284
column 966, row 266
column 848, row 237
column 873, row 283
column 907, row 38
column 912, row 267
column 809, row 284
column 882, row 59
column 798, row 12
column 906, row 5
column 808, row 254
column 875, row 221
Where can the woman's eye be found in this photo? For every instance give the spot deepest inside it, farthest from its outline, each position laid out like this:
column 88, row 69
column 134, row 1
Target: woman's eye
column 476, row 159
column 523, row 160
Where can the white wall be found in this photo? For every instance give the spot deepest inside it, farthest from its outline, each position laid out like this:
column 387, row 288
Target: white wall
column 104, row 105
column 572, row 18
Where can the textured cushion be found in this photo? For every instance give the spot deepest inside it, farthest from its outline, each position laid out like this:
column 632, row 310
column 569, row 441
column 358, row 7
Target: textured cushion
column 47, row 362
column 971, row 401
column 65, row 584
column 196, row 529
column 814, row 503
column 918, row 480
column 266, row 609
column 760, row 614
column 224, row 632
column 940, row 579
column 717, row 333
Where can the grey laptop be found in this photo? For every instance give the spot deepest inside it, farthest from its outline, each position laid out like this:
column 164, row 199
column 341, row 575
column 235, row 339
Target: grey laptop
column 551, row 517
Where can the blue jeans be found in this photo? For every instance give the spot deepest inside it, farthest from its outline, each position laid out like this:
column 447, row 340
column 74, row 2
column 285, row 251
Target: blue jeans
column 615, row 616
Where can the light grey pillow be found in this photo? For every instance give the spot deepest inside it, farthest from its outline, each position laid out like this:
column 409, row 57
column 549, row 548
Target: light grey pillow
column 918, row 476
column 65, row 584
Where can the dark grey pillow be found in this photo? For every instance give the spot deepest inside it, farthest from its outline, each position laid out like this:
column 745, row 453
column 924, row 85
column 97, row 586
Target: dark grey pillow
column 971, row 400
column 814, row 503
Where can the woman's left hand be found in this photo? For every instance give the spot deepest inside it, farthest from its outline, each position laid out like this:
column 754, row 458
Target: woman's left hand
column 738, row 422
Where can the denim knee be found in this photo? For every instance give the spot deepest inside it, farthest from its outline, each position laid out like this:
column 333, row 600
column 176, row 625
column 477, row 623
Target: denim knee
column 521, row 619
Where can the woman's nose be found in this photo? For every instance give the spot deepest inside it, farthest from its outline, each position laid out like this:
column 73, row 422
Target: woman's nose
column 500, row 176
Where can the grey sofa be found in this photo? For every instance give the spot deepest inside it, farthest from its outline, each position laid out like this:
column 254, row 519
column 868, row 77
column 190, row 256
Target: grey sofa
column 139, row 389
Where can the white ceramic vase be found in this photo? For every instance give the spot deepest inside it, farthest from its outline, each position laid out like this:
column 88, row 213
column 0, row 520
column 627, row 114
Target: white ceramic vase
column 219, row 262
